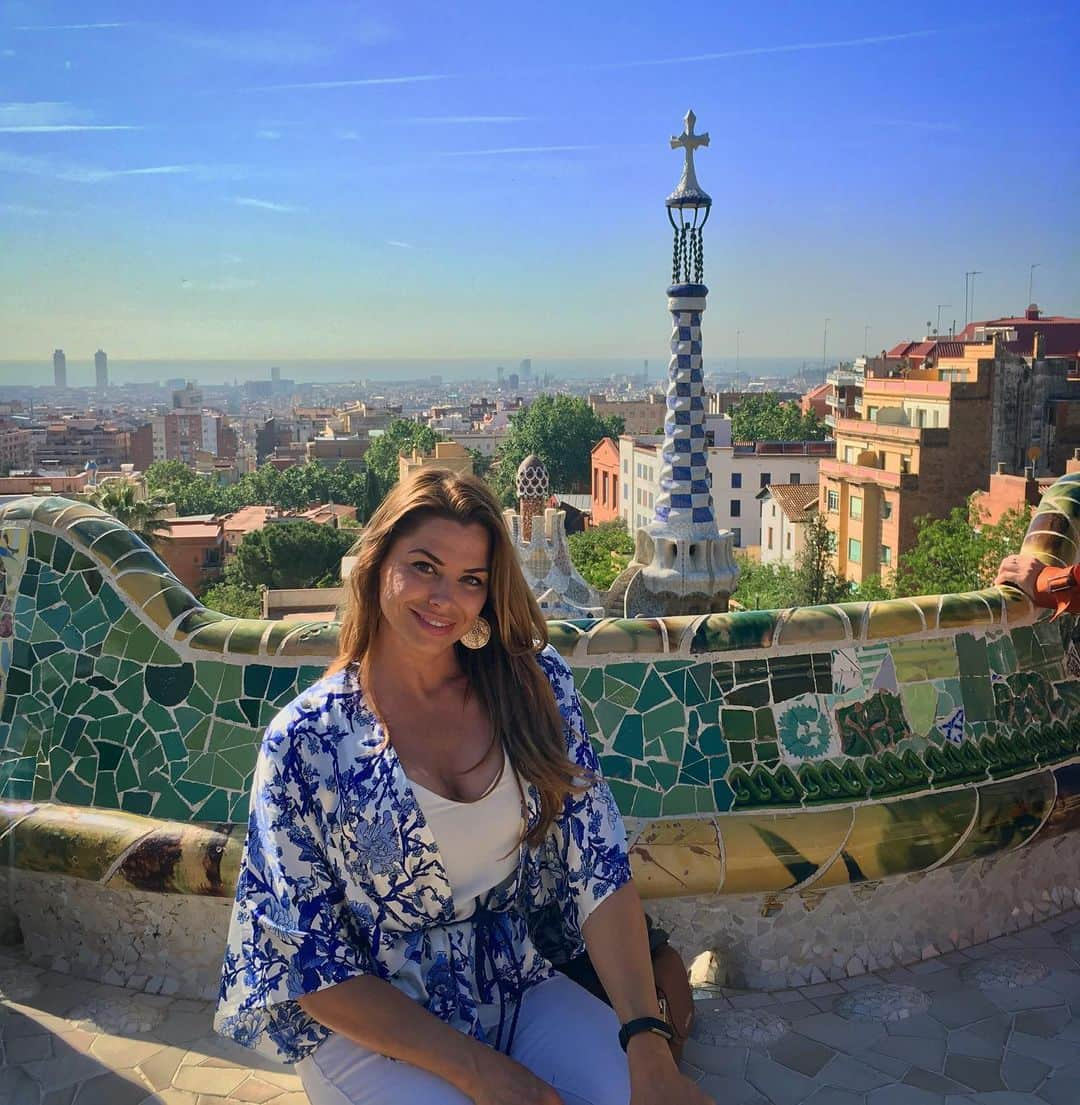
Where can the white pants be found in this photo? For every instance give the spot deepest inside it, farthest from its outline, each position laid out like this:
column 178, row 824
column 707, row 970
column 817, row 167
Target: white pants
column 564, row 1035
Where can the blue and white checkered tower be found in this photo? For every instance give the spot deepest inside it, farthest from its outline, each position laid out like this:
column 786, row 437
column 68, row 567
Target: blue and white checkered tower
column 688, row 565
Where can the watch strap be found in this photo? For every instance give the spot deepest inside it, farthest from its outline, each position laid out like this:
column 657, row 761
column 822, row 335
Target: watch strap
column 643, row 1024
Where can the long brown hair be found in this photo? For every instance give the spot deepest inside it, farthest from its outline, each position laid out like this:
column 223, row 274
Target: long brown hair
column 504, row 675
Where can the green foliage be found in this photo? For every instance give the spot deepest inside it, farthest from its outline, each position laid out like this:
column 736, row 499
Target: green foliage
column 816, row 580
column 561, row 430
column 293, row 489
column 945, row 558
column 1002, row 539
column 291, row 554
column 233, row 598
column 870, row 590
column 601, row 552
column 401, row 436
column 764, row 418
column 950, row 554
column 765, row 586
column 142, row 517
column 481, row 463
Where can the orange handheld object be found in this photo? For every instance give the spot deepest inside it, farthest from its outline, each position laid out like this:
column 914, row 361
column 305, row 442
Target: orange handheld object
column 1059, row 588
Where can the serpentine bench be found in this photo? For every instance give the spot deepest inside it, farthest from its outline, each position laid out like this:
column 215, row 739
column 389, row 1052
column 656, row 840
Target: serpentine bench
column 813, row 792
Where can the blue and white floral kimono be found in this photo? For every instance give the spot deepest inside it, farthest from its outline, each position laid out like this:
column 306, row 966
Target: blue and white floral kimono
column 341, row 876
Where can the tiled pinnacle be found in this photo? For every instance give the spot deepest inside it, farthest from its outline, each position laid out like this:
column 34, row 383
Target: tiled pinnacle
column 684, row 508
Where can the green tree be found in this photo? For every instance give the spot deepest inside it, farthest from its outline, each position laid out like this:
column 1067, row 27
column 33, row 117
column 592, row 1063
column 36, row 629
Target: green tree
column 816, row 580
column 765, row 586
column 234, row 598
column 1001, row 539
column 173, row 482
column 764, row 418
column 561, row 430
column 481, row 463
column 946, row 557
column 600, row 552
column 870, row 590
column 401, row 436
column 292, row 554
column 141, row 516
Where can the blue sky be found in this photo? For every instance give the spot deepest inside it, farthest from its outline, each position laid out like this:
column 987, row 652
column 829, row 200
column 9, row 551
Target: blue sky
column 472, row 180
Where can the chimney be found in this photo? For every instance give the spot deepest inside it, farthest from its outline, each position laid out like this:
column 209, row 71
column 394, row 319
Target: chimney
column 1003, row 468
column 1032, row 313
column 1038, row 345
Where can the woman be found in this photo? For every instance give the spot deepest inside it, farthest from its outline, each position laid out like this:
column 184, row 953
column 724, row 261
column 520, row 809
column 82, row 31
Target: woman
column 409, row 812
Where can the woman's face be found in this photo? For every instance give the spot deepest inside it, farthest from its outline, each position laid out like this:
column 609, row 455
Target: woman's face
column 433, row 584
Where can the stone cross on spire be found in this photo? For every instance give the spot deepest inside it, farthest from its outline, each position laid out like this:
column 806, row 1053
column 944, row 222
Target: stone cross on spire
column 689, row 141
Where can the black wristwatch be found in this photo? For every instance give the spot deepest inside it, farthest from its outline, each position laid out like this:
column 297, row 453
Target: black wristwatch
column 643, row 1024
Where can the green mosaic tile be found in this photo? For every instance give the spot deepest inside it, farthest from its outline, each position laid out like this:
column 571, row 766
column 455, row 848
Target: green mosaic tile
column 972, row 656
column 623, row 794
column 608, row 715
column 978, row 699
column 665, row 773
column 738, row 725
column 920, row 706
column 803, row 728
column 676, row 683
column 929, row 658
column 764, row 725
column 752, row 694
column 663, row 718
column 619, row 693
column 653, row 692
column 679, row 800
column 616, row 767
column 629, row 739
column 647, row 803
column 672, row 742
column 871, row 726
column 170, row 686
column 699, row 685
column 711, row 741
column 643, row 774
column 742, row 752
column 695, row 768
column 136, row 801
column 1001, row 655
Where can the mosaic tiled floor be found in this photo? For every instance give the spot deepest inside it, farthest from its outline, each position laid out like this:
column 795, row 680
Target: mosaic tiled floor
column 993, row 1025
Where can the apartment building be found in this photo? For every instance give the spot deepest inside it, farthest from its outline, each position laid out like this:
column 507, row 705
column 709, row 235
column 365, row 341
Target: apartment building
column 737, row 472
column 16, row 446
column 921, row 448
column 448, row 454
column 606, row 505
column 181, row 435
column 786, row 509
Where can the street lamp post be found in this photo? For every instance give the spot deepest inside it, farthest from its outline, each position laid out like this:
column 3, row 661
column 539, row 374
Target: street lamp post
column 738, row 335
column 1031, row 278
column 937, row 329
column 824, row 345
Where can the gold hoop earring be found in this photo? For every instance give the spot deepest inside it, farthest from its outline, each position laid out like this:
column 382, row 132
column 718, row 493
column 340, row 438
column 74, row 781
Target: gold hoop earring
column 478, row 635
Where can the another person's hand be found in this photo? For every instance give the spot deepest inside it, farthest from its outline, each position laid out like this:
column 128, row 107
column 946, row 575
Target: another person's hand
column 1021, row 572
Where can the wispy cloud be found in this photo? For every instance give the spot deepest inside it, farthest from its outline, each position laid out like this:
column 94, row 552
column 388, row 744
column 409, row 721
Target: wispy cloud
column 74, row 27
column 360, row 82
column 50, row 117
column 268, row 135
column 452, row 120
column 779, row 48
column 511, row 149
column 22, row 209
column 400, row 245
column 285, row 46
column 89, row 174
column 62, row 128
column 225, row 284
column 266, row 205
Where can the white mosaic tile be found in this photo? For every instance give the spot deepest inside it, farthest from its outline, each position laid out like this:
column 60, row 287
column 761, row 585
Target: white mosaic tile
column 1009, row 971
column 739, row 1026
column 883, row 1003
column 118, row 1016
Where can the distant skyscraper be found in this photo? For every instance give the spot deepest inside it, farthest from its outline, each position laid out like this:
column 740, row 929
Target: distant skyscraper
column 101, row 369
column 526, row 368
column 499, row 375
column 512, row 381
column 275, row 375
column 59, row 367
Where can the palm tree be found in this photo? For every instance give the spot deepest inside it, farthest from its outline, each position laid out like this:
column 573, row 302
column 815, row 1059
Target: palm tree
column 141, row 516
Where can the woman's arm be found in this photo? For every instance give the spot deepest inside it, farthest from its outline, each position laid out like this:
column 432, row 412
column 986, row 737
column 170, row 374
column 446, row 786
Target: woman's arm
column 381, row 1018
column 618, row 945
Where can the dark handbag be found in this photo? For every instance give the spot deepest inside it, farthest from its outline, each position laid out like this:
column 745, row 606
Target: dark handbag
column 672, row 984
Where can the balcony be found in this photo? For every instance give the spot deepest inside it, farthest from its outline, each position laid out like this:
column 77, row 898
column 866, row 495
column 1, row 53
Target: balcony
column 845, row 378
column 934, row 436
column 865, row 473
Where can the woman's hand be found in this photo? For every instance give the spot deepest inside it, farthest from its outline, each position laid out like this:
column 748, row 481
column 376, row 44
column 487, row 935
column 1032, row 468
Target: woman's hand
column 654, row 1077
column 1021, row 572
column 503, row 1081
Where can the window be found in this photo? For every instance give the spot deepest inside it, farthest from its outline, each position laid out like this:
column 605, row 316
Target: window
column 871, row 413
column 770, row 537
column 937, row 417
column 849, row 454
column 736, row 480
column 789, row 540
column 614, row 489
column 832, row 501
column 886, row 508
column 736, row 508
column 773, row 515
column 736, row 536
column 920, row 417
column 855, row 506
column 854, row 550
column 886, row 554
column 650, row 500
column 626, row 466
column 625, row 491
column 766, row 479
column 794, row 478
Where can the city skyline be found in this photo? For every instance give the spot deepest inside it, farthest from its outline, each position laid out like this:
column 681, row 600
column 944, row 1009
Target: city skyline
column 434, row 184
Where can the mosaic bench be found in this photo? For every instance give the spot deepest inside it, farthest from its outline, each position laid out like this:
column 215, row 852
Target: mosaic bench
column 813, row 792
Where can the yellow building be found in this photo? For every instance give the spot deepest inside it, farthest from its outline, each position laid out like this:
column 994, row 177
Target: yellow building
column 448, row 454
column 921, row 448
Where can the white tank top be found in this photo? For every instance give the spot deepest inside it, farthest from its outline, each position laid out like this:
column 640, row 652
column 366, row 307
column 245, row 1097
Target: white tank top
column 477, row 840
